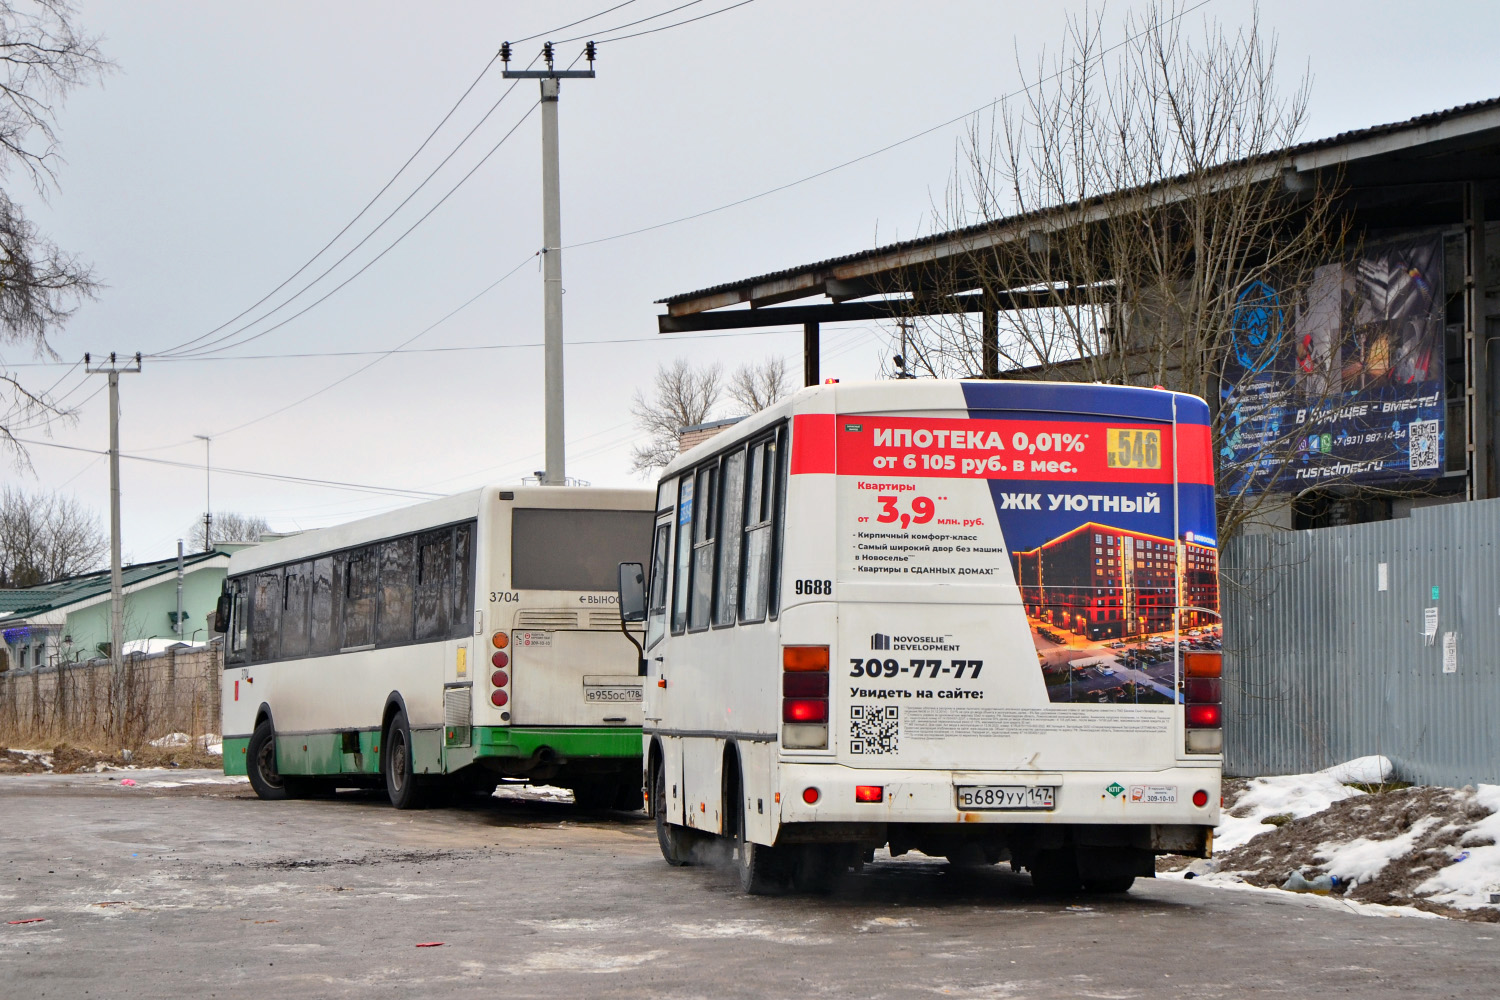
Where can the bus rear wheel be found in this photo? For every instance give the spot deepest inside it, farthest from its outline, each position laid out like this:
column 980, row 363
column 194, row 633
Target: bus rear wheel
column 396, row 764
column 676, row 842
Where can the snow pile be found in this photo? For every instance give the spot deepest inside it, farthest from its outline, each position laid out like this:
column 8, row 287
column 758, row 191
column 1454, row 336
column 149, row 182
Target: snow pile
column 1415, row 848
column 208, row 741
column 1361, row 859
column 1467, row 882
column 1293, row 795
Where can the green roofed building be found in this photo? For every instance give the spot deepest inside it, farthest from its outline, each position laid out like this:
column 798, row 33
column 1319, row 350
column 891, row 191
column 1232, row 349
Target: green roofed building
column 68, row 619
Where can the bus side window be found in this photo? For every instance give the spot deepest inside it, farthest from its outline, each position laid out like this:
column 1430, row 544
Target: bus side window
column 759, row 511
column 681, row 576
column 779, row 460
column 730, row 533
column 294, row 594
column 325, row 606
column 462, row 608
column 704, row 520
column 656, row 602
column 359, row 598
column 397, row 591
column 435, row 582
column 239, row 625
column 265, row 616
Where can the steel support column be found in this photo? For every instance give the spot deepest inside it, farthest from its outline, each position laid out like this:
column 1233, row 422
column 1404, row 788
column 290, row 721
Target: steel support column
column 810, row 352
column 1478, row 422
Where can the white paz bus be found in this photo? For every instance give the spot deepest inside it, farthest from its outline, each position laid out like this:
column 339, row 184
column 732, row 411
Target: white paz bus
column 446, row 646
column 936, row 615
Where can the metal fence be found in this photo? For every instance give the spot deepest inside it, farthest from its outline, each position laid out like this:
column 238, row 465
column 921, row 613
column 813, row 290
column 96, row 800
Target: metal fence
column 1378, row 638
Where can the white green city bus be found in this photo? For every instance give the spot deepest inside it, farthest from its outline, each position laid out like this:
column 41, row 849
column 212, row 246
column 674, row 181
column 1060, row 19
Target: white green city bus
column 919, row 615
column 450, row 645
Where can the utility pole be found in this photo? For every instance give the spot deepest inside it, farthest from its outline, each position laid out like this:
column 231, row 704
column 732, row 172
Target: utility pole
column 208, row 492
column 177, row 622
column 552, row 339
column 114, row 369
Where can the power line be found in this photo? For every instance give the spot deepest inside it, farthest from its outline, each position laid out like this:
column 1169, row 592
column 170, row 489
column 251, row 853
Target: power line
column 667, row 27
column 627, row 24
column 299, row 480
column 574, row 24
column 351, row 222
column 328, row 270
column 873, row 153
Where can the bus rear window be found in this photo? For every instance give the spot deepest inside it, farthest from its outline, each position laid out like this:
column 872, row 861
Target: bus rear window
column 575, row 549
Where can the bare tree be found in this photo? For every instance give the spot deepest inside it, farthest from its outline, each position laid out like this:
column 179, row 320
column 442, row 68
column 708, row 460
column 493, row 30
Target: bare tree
column 682, row 396
column 44, row 55
column 229, row 526
column 755, row 387
column 46, row 536
column 1119, row 214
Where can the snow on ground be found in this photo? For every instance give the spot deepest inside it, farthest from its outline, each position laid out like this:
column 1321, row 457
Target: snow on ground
column 1393, row 850
column 208, row 741
column 1468, row 882
column 1294, row 795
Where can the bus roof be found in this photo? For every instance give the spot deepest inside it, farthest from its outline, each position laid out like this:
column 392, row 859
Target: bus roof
column 981, row 397
column 431, row 513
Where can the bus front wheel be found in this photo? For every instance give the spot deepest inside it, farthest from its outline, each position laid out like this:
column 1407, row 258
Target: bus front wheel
column 265, row 779
column 396, row 763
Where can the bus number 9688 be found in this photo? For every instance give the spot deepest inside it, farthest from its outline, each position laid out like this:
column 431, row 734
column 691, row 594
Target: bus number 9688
column 824, row 587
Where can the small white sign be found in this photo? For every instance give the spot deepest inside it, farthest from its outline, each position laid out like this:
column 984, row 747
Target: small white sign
column 533, row 638
column 1153, row 795
column 1384, row 576
column 1450, row 652
column 1429, row 624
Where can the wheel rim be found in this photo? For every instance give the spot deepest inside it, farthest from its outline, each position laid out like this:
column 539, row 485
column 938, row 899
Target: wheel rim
column 398, row 760
column 265, row 763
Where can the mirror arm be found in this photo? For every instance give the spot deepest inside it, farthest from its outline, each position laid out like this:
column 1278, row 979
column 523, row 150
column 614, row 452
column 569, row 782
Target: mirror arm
column 640, row 651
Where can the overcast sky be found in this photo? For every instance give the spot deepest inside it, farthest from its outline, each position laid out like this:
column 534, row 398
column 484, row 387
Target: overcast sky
column 236, row 139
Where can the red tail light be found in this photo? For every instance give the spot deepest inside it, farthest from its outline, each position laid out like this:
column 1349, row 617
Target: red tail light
column 499, row 698
column 811, row 795
column 804, row 685
column 804, row 710
column 869, row 793
column 500, row 660
column 499, row 679
column 1200, row 798
column 1204, row 717
column 1202, row 689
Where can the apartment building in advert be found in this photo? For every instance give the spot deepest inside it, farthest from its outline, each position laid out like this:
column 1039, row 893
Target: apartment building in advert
column 1109, row 583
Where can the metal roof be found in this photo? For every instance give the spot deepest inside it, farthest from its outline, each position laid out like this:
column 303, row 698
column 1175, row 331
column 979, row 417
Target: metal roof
column 54, row 594
column 1423, row 124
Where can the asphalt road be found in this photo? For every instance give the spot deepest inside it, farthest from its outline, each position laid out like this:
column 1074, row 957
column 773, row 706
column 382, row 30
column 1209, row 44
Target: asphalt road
column 200, row 890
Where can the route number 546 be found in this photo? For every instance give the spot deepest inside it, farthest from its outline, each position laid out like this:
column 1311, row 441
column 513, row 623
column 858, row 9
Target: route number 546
column 922, row 509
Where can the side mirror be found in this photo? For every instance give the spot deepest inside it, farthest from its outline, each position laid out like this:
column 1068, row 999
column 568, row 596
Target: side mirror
column 632, row 592
column 221, row 614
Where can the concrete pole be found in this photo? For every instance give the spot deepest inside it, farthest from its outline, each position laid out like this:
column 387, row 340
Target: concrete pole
column 116, row 590
column 552, row 350
column 177, row 626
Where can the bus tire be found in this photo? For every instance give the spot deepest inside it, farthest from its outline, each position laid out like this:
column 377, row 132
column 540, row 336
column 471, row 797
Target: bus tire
column 265, row 779
column 401, row 785
column 629, row 796
column 763, row 870
column 1115, row 884
column 676, row 843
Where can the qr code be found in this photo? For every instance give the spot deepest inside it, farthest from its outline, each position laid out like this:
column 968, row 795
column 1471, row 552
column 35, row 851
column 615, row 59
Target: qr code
column 1422, row 437
column 874, row 728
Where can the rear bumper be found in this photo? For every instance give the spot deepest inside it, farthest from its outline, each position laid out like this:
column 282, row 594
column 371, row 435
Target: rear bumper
column 571, row 743
column 1119, row 798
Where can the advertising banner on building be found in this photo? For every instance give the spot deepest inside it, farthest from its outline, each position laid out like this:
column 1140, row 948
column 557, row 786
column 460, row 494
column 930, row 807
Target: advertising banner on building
column 1341, row 382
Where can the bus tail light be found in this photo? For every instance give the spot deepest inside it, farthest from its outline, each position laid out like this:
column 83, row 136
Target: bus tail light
column 1203, row 697
column 804, row 698
column 811, row 795
column 869, row 793
column 500, row 660
column 499, row 679
column 500, row 640
column 498, row 698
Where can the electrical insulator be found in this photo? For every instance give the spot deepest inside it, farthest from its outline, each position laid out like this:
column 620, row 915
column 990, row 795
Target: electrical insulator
column 505, row 52
column 547, row 52
column 590, row 50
